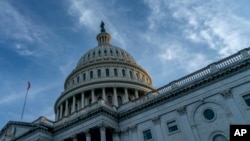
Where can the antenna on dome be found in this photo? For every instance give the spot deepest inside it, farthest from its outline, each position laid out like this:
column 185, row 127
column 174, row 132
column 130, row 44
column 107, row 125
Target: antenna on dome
column 102, row 27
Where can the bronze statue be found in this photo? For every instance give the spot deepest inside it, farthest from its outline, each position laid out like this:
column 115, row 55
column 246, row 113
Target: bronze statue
column 102, row 27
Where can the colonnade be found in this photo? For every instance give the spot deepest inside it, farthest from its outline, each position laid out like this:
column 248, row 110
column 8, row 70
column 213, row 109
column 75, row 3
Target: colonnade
column 112, row 96
column 93, row 134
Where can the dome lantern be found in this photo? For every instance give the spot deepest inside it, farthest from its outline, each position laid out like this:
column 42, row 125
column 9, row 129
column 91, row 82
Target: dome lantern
column 103, row 38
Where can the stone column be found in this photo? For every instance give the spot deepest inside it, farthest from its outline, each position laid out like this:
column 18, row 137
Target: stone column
column 116, row 136
column 126, row 94
column 82, row 100
column 93, row 96
column 136, row 94
column 103, row 133
column 190, row 129
column 73, row 108
column 157, row 123
column 66, row 108
column 104, row 94
column 134, row 133
column 115, row 97
column 88, row 136
column 61, row 110
column 74, row 138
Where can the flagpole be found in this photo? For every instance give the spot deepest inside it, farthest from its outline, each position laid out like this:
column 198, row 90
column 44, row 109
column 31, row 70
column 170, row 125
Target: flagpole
column 25, row 100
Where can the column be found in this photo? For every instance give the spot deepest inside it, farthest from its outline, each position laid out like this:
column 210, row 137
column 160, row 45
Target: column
column 74, row 138
column 104, row 94
column 66, row 108
column 157, row 123
column 103, row 133
column 73, row 108
column 88, row 136
column 93, row 96
column 136, row 94
column 134, row 133
column 115, row 97
column 61, row 110
column 116, row 136
column 126, row 94
column 82, row 100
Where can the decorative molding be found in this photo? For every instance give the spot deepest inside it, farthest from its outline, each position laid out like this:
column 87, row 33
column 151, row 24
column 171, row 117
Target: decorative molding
column 156, row 120
column 227, row 93
column 133, row 129
column 182, row 110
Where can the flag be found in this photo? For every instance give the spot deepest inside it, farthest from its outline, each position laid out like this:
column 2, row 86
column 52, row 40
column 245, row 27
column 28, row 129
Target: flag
column 28, row 85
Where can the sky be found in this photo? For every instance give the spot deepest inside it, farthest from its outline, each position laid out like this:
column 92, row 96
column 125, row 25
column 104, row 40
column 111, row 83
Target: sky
column 41, row 41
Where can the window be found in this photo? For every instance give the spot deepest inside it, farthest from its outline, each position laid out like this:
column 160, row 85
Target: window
column 84, row 76
column 131, row 74
column 137, row 75
column 247, row 99
column 219, row 137
column 91, row 74
column 115, row 72
column 90, row 101
column 99, row 73
column 110, row 100
column 78, row 79
column 172, row 126
column 73, row 81
column 119, row 100
column 147, row 135
column 209, row 114
column 107, row 72
column 123, row 73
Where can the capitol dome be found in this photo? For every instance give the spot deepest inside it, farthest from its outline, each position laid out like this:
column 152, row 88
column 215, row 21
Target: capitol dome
column 106, row 73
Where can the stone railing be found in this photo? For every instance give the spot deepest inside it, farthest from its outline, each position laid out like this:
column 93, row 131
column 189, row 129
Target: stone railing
column 198, row 75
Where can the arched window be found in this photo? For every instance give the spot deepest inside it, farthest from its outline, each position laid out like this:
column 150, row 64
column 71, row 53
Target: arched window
column 219, row 137
column 115, row 72
column 119, row 100
column 110, row 100
column 99, row 73
column 91, row 74
column 131, row 74
column 84, row 76
column 107, row 72
column 137, row 76
column 123, row 73
column 78, row 79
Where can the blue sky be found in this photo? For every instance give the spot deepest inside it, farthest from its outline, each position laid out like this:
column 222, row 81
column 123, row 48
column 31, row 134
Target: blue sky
column 41, row 42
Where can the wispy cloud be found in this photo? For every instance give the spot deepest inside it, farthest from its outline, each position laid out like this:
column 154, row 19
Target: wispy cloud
column 26, row 35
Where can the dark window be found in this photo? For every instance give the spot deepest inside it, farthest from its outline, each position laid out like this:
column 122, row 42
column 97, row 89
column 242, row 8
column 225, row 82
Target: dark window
column 99, row 73
column 90, row 101
column 172, row 126
column 115, row 72
column 84, row 76
column 73, row 81
column 119, row 100
column 247, row 99
column 147, row 135
column 107, row 72
column 91, row 74
column 123, row 73
column 110, row 100
column 78, row 79
column 131, row 74
column 209, row 114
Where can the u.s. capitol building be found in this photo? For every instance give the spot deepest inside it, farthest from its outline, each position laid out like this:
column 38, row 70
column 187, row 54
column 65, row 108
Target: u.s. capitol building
column 109, row 97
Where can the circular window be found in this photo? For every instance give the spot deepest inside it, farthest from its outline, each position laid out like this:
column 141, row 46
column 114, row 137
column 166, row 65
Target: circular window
column 209, row 114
